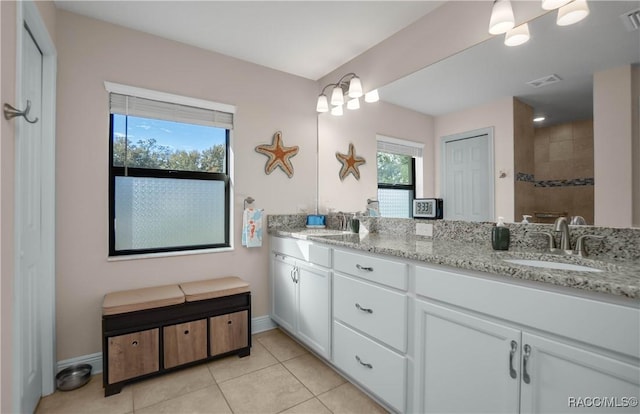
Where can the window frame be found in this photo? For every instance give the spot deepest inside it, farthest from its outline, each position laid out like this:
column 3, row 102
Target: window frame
column 121, row 171
column 411, row 187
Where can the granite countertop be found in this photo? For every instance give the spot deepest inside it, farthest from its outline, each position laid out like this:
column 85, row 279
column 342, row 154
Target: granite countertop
column 620, row 278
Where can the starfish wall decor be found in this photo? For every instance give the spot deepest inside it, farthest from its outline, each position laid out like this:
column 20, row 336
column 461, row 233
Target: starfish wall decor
column 279, row 155
column 350, row 163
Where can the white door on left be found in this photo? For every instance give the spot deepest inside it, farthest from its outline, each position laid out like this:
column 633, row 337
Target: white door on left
column 30, row 275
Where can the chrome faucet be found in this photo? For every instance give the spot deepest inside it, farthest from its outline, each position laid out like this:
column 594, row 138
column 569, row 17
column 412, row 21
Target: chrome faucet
column 565, row 242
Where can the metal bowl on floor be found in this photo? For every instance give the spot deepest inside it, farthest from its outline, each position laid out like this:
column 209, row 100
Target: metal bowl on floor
column 73, row 377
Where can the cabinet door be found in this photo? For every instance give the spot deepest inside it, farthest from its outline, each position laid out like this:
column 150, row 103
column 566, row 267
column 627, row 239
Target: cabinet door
column 133, row 355
column 229, row 332
column 284, row 308
column 184, row 343
column 564, row 378
column 314, row 317
column 464, row 364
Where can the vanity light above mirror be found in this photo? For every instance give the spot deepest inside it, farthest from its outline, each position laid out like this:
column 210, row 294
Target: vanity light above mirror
column 348, row 86
column 503, row 21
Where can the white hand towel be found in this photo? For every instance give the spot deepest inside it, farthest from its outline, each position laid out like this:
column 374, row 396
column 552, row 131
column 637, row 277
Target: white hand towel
column 252, row 227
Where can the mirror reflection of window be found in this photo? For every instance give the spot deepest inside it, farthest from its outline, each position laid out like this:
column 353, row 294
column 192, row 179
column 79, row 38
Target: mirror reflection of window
column 397, row 162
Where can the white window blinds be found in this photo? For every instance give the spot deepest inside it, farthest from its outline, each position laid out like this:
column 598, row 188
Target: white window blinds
column 400, row 147
column 167, row 111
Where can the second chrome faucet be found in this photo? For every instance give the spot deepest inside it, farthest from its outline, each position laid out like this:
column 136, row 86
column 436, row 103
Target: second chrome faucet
column 561, row 226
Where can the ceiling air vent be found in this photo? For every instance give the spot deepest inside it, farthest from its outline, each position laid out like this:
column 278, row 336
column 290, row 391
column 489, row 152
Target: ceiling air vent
column 631, row 20
column 544, row 81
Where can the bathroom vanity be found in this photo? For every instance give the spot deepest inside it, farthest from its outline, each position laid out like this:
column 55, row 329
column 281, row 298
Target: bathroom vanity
column 437, row 325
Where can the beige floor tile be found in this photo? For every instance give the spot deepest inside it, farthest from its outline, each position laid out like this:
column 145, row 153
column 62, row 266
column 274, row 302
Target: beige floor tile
column 312, row 406
column 314, row 374
column 347, row 399
column 232, row 366
column 269, row 390
column 87, row 399
column 280, row 345
column 169, row 386
column 205, row 401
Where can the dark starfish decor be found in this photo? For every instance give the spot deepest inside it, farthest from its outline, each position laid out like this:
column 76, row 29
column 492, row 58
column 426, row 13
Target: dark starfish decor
column 350, row 163
column 279, row 155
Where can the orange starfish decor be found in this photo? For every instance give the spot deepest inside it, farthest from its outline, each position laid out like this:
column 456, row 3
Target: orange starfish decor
column 350, row 163
column 279, row 155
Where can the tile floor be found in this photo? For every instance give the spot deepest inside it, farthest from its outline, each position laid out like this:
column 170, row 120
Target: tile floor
column 280, row 376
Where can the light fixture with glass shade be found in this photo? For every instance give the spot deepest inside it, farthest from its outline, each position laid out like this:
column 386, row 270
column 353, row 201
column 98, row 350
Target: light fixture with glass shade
column 502, row 18
column 349, row 85
column 517, row 35
column 572, row 13
column 553, row 4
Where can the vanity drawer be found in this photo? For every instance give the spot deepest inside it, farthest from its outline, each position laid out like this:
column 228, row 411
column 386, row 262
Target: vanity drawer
column 383, row 271
column 374, row 366
column 379, row 312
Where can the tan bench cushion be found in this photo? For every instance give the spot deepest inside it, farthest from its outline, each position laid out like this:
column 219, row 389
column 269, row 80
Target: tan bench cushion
column 141, row 299
column 213, row 288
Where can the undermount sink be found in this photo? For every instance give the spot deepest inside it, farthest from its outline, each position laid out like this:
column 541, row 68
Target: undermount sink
column 552, row 265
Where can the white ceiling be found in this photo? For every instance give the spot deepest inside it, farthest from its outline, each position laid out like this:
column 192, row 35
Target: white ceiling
column 304, row 38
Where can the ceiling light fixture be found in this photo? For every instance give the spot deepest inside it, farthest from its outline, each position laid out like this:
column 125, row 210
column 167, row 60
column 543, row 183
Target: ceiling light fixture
column 349, row 85
column 539, row 119
column 572, row 12
column 553, row 4
column 517, row 35
column 502, row 18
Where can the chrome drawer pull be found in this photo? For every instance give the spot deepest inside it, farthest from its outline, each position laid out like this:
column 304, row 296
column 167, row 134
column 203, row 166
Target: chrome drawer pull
column 514, row 348
column 525, row 375
column 364, row 364
column 365, row 268
column 363, row 309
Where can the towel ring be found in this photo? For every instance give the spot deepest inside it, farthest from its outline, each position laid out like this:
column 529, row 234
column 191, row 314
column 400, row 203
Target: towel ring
column 248, row 200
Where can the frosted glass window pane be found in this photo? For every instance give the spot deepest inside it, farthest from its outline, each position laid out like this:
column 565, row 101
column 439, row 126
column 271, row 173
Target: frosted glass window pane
column 165, row 212
column 395, row 203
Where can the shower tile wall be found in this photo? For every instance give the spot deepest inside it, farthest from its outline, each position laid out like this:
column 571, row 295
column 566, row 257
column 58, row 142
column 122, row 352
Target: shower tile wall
column 563, row 169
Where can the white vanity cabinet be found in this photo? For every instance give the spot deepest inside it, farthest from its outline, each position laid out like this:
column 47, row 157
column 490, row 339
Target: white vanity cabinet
column 370, row 323
column 301, row 291
column 488, row 346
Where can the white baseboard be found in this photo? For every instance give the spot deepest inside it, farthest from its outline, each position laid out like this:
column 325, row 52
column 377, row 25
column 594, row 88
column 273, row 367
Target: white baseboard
column 262, row 323
column 258, row 324
column 95, row 360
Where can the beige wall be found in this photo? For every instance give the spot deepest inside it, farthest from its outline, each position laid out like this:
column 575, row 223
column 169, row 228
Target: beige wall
column 91, row 52
column 612, row 121
column 499, row 115
column 360, row 128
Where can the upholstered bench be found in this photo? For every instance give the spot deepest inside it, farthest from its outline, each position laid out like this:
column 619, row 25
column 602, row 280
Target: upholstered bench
column 150, row 331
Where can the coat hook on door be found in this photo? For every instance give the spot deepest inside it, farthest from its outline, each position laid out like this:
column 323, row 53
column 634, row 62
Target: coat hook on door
column 11, row 112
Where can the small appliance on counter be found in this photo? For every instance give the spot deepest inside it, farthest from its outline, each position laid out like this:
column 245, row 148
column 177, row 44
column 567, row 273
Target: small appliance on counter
column 316, row 221
column 428, row 208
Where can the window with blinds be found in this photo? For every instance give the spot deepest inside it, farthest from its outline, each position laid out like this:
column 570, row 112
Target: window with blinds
column 396, row 162
column 169, row 172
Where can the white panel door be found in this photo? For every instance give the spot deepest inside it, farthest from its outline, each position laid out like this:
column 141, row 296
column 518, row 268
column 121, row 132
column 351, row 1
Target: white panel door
column 314, row 310
column 29, row 276
column 464, row 364
column 567, row 379
column 466, row 186
column 284, row 307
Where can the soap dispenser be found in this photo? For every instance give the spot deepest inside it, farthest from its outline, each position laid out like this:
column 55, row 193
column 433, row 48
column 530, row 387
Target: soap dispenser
column 500, row 236
column 525, row 219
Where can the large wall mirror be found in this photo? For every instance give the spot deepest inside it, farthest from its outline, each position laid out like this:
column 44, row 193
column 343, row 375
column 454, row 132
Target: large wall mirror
column 549, row 168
